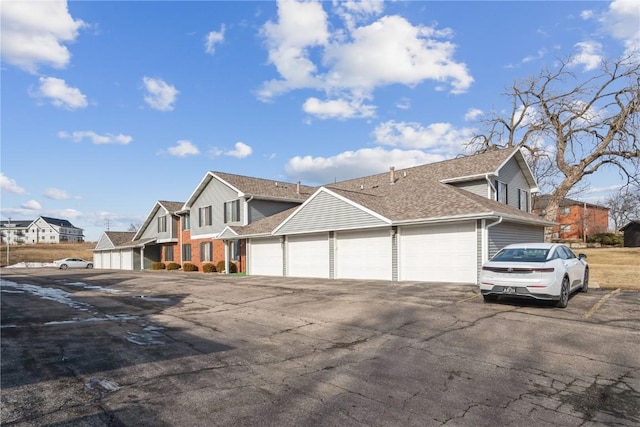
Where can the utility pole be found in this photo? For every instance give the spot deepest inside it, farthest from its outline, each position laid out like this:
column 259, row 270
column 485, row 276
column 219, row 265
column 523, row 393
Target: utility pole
column 8, row 229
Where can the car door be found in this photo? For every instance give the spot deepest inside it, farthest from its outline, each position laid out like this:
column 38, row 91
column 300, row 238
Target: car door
column 572, row 264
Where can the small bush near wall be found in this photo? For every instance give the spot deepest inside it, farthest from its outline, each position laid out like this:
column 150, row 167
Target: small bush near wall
column 606, row 239
column 189, row 267
column 232, row 267
column 158, row 266
column 173, row 266
column 209, row 268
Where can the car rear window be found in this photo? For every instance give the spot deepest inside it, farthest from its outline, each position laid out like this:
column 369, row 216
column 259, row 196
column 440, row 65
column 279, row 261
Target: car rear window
column 521, row 255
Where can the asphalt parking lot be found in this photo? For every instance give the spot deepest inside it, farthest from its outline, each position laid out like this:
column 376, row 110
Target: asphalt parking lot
column 115, row 348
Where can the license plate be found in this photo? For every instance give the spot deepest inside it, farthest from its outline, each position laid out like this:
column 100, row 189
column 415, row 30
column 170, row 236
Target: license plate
column 509, row 290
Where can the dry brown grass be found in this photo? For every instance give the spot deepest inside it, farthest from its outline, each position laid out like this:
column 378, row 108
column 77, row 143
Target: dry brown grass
column 45, row 252
column 614, row 267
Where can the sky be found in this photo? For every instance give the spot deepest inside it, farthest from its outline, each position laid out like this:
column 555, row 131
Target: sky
column 110, row 106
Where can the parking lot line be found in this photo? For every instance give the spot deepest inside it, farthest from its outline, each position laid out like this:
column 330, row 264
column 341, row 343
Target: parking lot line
column 599, row 303
column 469, row 299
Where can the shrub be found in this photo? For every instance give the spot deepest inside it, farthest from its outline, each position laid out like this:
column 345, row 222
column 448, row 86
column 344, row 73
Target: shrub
column 187, row 266
column 232, row 267
column 173, row 266
column 606, row 239
column 158, row 266
column 209, row 268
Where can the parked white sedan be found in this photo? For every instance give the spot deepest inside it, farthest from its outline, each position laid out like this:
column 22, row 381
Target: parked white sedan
column 72, row 263
column 545, row 271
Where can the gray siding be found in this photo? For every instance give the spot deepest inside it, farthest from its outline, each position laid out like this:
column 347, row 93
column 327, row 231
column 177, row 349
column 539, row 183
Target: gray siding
column 214, row 195
column 512, row 175
column 479, row 187
column 152, row 229
column 104, row 243
column 504, row 234
column 326, row 212
column 262, row 208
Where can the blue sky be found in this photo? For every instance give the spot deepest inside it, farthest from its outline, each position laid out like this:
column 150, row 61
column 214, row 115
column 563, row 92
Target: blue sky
column 108, row 107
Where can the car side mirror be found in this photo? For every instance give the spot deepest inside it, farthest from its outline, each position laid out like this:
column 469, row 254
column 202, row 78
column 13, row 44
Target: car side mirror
column 582, row 256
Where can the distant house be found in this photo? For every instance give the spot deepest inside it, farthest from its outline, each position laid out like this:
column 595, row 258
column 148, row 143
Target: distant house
column 576, row 220
column 44, row 229
column 631, row 234
column 435, row 223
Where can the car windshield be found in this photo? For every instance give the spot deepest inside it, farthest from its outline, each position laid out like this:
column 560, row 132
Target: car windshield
column 521, row 255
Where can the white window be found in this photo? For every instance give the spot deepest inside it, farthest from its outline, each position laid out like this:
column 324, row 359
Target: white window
column 204, row 217
column 162, row 224
column 565, row 211
column 206, row 251
column 501, row 192
column 232, row 211
column 523, row 200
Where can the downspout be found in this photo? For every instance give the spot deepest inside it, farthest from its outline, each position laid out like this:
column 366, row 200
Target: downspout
column 485, row 256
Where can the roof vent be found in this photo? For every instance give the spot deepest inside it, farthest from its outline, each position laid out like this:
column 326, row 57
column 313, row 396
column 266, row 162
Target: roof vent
column 276, row 184
column 392, row 174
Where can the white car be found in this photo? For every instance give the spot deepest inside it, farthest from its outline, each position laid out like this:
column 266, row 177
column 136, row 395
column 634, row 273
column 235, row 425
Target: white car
column 72, row 263
column 544, row 271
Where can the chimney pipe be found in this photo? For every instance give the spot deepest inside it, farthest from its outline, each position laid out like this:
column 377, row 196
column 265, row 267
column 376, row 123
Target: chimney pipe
column 298, row 187
column 392, row 174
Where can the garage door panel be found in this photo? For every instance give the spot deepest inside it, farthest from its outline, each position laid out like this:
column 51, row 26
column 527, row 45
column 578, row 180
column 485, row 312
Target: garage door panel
column 364, row 255
column 443, row 253
column 265, row 257
column 308, row 256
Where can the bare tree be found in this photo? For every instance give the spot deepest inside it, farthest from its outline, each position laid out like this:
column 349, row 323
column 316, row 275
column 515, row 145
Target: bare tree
column 571, row 128
column 133, row 227
column 624, row 205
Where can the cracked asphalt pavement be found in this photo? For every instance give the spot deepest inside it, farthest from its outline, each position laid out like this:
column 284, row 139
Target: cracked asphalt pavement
column 115, row 348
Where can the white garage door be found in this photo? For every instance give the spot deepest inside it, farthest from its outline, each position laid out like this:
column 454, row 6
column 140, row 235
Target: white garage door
column 106, row 260
column 265, row 257
column 442, row 253
column 127, row 259
column 97, row 260
column 364, row 255
column 115, row 260
column 308, row 256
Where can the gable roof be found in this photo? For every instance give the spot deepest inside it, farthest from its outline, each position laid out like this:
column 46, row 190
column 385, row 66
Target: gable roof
column 630, row 224
column 172, row 208
column 542, row 201
column 57, row 221
column 259, row 188
column 419, row 192
column 119, row 238
column 263, row 226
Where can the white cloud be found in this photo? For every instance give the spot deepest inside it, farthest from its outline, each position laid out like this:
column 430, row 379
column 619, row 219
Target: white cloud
column 31, row 205
column 183, row 149
column 350, row 63
column 160, row 95
column 241, row 151
column 108, row 138
column 56, row 194
column 352, row 164
column 214, row 38
column 404, row 103
column 34, row 33
column 589, row 55
column 352, row 12
column 59, row 94
column 443, row 137
column 10, row 185
column 337, row 108
column 473, row 114
column 586, row 14
column 300, row 27
column 622, row 22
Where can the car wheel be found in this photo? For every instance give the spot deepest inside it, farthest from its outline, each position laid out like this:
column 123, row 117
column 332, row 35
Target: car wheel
column 564, row 294
column 89, row 265
column 585, row 281
column 64, row 266
column 490, row 298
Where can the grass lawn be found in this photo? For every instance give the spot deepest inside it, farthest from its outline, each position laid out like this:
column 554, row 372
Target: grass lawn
column 610, row 267
column 614, row 267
